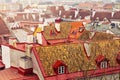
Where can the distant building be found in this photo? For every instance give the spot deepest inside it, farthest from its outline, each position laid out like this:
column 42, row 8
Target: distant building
column 117, row 0
column 9, row 7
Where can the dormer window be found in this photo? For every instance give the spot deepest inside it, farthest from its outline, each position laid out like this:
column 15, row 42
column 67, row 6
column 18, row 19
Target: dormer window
column 61, row 70
column 102, row 62
column 59, row 67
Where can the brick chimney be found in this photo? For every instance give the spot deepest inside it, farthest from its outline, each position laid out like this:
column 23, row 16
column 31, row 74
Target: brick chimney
column 25, row 65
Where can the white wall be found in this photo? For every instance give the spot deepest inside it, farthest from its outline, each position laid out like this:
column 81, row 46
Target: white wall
column 15, row 57
column 6, row 55
column 30, row 38
column 36, row 68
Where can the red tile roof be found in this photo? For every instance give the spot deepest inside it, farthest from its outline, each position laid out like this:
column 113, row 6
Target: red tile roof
column 12, row 74
column 116, row 15
column 83, row 13
column 101, row 15
column 27, row 17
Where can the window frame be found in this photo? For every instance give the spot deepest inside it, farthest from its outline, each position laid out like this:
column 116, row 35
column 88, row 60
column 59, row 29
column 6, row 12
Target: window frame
column 61, row 69
column 104, row 64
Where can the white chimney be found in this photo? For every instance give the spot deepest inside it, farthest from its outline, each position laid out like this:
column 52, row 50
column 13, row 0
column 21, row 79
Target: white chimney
column 57, row 26
column 57, row 7
column 25, row 62
column 41, row 26
column 60, row 12
column 39, row 38
column 28, row 47
column 93, row 13
column 12, row 41
column 27, row 16
column 24, row 17
column 33, row 16
column 76, row 13
column 84, row 23
column 113, row 13
column 30, row 38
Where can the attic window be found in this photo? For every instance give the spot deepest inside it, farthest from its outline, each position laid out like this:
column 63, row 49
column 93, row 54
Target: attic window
column 61, row 70
column 102, row 62
column 59, row 67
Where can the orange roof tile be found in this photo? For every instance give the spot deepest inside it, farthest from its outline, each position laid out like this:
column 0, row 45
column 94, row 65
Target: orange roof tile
column 77, row 24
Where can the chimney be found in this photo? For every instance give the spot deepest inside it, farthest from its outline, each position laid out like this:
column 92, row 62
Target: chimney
column 27, row 16
column 112, row 13
column 23, row 17
column 41, row 39
column 93, row 13
column 60, row 12
column 25, row 65
column 76, row 13
column 57, row 24
column 41, row 26
column 12, row 41
column 28, row 48
column 33, row 16
column 57, row 7
column 30, row 38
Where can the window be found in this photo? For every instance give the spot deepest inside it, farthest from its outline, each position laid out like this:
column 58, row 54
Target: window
column 61, row 70
column 103, row 64
column 59, row 67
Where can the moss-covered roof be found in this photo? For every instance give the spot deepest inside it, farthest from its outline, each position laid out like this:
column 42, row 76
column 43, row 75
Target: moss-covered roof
column 97, row 37
column 64, row 31
column 74, row 56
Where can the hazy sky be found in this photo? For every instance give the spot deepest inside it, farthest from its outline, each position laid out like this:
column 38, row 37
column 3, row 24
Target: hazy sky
column 51, row 0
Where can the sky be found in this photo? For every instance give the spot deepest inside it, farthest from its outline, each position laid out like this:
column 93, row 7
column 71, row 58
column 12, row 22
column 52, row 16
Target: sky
column 79, row 0
column 51, row 0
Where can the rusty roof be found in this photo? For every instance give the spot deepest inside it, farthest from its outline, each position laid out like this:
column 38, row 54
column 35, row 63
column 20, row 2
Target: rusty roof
column 116, row 15
column 3, row 28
